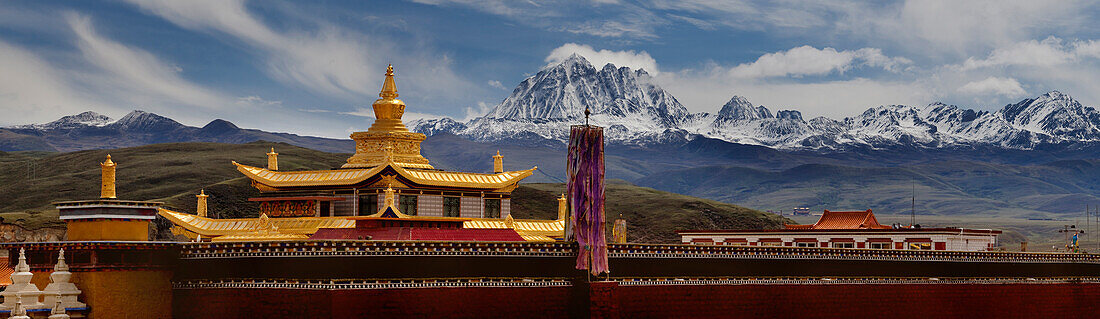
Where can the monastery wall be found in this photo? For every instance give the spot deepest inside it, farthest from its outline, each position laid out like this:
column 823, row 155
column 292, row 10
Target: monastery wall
column 1065, row 300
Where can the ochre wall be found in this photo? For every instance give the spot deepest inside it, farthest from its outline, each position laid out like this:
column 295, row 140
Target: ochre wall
column 740, row 301
column 126, row 293
column 129, row 230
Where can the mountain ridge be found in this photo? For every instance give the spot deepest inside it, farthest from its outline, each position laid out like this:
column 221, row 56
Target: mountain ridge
column 90, row 130
column 636, row 111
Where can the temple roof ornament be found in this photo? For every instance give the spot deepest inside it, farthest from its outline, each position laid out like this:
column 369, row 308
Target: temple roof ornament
column 107, row 188
column 388, row 131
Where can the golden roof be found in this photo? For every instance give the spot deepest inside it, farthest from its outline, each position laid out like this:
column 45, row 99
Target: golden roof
column 293, row 228
column 345, row 177
column 213, row 227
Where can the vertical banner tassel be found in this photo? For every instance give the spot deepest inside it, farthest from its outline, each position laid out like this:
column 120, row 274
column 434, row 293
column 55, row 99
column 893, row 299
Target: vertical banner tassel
column 585, row 187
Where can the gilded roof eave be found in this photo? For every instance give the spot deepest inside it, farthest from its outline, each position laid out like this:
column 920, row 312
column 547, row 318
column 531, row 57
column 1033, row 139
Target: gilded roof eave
column 244, row 229
column 348, row 177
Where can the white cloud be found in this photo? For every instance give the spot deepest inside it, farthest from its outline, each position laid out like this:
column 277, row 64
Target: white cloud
column 599, row 58
column 37, row 90
column 256, row 100
column 807, row 60
column 945, row 27
column 497, row 84
column 601, row 18
column 473, row 112
column 330, row 60
column 1048, row 52
column 994, row 86
column 137, row 70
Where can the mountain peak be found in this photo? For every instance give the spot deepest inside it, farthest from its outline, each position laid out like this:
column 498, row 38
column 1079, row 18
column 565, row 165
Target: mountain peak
column 740, row 109
column 220, row 126
column 87, row 118
column 139, row 120
column 574, row 60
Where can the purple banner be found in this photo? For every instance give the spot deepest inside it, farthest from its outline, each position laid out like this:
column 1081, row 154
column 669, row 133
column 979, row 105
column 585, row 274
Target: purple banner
column 585, row 187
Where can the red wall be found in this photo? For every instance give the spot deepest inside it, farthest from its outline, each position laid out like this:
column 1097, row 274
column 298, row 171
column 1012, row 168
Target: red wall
column 862, row 301
column 372, row 303
column 741, row 301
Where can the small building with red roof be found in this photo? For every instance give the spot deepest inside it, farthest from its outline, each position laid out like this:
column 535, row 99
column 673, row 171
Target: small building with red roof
column 852, row 229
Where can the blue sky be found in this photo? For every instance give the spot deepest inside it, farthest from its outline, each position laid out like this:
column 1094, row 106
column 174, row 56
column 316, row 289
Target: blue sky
column 314, row 67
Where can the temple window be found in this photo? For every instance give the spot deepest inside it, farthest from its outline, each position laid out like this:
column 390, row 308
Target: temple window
column 451, row 206
column 806, row 244
column 368, row 204
column 879, row 245
column 844, row 245
column 492, row 208
column 407, row 204
column 325, row 209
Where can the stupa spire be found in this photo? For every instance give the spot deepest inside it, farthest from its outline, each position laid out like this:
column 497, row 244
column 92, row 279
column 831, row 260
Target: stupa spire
column 387, row 108
column 389, row 87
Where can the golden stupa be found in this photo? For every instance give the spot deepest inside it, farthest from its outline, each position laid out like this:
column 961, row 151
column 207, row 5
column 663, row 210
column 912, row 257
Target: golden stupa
column 388, row 133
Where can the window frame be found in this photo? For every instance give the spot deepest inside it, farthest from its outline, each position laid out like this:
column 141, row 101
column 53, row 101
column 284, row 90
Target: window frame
column 371, row 201
column 403, row 205
column 486, row 208
column 457, row 206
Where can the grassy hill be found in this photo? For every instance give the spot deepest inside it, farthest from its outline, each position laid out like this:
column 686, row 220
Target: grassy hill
column 175, row 172
column 652, row 215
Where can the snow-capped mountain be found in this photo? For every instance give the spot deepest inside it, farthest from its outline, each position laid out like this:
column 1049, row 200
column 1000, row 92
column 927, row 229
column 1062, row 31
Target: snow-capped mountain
column 637, row 111
column 88, row 118
column 626, row 101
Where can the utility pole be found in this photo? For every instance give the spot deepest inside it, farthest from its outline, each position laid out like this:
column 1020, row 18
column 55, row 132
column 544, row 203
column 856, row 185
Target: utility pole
column 913, row 208
column 1066, row 230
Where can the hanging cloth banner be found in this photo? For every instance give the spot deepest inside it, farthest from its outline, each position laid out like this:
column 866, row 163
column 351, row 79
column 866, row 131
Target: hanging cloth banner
column 586, row 196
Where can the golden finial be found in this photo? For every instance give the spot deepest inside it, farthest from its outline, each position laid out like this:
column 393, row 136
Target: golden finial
column 200, row 207
column 389, row 87
column 107, row 178
column 273, row 160
column 563, row 207
column 498, row 163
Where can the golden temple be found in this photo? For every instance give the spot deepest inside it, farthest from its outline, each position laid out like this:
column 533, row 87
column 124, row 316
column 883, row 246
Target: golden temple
column 386, row 177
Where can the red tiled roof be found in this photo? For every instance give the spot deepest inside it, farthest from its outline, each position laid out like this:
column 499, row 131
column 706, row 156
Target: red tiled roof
column 844, row 220
column 5, row 272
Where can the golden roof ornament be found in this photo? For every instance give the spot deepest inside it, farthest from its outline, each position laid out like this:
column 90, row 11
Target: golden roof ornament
column 388, row 130
column 107, row 185
column 200, row 205
column 273, row 160
column 387, row 108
